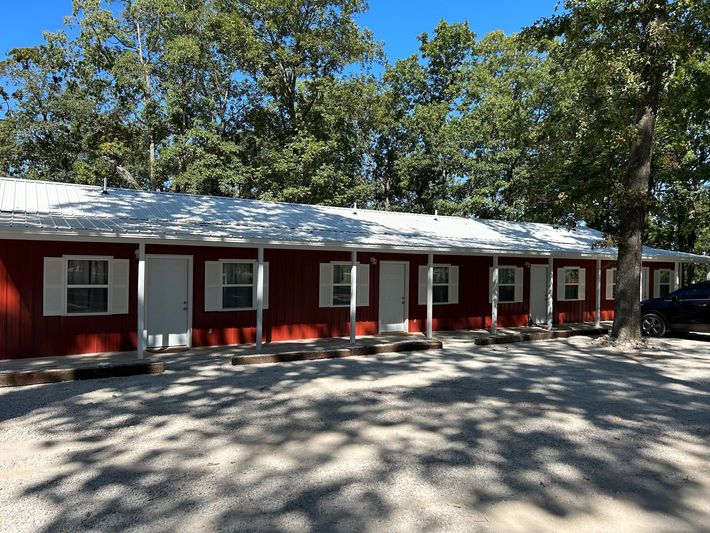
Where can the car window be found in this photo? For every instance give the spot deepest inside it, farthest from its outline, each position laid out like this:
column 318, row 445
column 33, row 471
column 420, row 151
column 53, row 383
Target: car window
column 694, row 293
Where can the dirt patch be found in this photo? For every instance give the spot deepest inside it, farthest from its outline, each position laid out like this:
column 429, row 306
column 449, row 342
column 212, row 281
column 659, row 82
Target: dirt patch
column 664, row 348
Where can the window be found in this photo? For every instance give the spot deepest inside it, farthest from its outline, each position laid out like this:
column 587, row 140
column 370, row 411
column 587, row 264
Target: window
column 571, row 284
column 663, row 283
column 86, row 285
column 230, row 285
column 506, row 284
column 611, row 283
column 445, row 286
column 510, row 284
column 335, row 284
column 341, row 285
column 238, row 285
column 440, row 286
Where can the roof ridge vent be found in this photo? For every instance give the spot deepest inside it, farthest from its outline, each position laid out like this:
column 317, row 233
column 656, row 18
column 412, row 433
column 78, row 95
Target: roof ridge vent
column 354, row 208
column 436, row 214
column 104, row 190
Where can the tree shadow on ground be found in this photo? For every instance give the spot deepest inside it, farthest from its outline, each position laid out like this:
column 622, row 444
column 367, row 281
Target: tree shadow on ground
column 411, row 441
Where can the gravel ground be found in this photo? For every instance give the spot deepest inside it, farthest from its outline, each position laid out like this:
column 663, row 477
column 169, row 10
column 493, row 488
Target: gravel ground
column 556, row 435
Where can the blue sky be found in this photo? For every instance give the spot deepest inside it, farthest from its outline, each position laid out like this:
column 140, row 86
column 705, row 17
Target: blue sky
column 396, row 22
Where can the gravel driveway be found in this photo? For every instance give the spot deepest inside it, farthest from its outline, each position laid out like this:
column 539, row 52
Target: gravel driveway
column 554, row 435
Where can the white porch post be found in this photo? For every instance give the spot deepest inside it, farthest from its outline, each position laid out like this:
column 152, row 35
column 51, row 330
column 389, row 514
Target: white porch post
column 141, row 332
column 494, row 297
column 353, row 297
column 550, row 291
column 259, row 297
column 676, row 274
column 597, row 316
column 430, row 296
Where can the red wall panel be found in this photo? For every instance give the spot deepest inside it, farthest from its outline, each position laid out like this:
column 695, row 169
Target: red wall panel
column 25, row 332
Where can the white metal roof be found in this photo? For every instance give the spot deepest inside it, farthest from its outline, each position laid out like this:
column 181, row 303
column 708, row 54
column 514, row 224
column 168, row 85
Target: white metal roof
column 39, row 209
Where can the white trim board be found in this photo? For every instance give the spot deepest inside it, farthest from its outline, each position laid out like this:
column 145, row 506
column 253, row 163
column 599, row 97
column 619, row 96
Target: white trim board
column 39, row 235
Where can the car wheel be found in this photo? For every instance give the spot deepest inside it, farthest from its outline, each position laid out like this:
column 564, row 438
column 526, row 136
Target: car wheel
column 653, row 325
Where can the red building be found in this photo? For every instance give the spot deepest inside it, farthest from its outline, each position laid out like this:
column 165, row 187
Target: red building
column 84, row 270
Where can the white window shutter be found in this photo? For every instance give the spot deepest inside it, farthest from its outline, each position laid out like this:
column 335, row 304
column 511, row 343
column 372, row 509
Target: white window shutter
column 120, row 272
column 582, row 293
column 363, row 285
column 326, row 285
column 213, row 286
column 54, row 293
column 421, row 300
column 610, row 274
column 644, row 283
column 490, row 285
column 266, row 285
column 519, row 284
column 453, row 284
column 657, row 283
column 561, row 285
column 673, row 286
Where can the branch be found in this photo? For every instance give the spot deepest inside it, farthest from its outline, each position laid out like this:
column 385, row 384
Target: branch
column 123, row 173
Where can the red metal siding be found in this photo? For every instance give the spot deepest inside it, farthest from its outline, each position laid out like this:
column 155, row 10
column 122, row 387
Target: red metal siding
column 213, row 328
column 607, row 306
column 293, row 298
column 26, row 332
column 473, row 311
column 582, row 310
column 293, row 293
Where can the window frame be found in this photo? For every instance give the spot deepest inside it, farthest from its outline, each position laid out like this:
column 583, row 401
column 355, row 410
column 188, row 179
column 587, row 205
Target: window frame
column 670, row 283
column 333, row 264
column 222, row 285
column 610, row 271
column 565, row 284
column 514, row 284
column 447, row 285
column 67, row 286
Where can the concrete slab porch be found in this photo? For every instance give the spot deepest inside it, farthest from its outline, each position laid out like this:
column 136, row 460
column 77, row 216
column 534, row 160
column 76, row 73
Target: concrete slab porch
column 484, row 337
column 16, row 372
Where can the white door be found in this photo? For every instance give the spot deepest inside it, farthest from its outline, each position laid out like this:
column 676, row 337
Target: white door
column 167, row 301
column 538, row 294
column 393, row 297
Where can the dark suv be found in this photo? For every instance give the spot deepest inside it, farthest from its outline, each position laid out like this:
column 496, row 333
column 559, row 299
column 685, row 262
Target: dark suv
column 687, row 309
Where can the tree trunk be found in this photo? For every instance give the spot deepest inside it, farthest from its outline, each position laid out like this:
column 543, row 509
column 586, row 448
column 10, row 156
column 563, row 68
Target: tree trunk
column 151, row 162
column 627, row 306
column 635, row 203
column 146, row 99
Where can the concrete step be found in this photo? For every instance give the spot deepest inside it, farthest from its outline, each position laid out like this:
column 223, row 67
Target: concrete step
column 314, row 354
column 539, row 336
column 20, row 378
